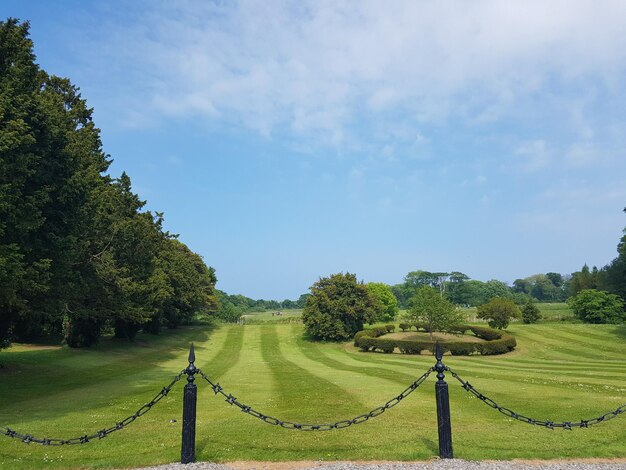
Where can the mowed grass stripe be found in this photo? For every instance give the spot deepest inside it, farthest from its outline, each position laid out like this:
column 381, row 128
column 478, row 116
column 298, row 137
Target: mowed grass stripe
column 303, row 395
column 227, row 356
column 553, row 348
column 313, row 352
column 599, row 347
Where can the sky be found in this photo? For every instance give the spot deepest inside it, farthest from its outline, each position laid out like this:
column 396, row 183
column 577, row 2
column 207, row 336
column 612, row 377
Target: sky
column 288, row 140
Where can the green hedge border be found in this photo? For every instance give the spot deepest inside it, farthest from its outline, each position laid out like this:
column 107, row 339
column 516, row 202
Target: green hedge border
column 497, row 342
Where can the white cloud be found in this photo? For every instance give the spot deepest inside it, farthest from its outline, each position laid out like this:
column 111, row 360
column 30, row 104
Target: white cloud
column 317, row 68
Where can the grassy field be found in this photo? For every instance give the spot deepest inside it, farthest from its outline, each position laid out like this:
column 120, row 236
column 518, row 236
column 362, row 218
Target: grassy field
column 559, row 372
column 288, row 316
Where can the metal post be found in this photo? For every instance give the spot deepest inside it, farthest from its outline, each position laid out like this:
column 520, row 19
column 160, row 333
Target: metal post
column 443, row 408
column 188, row 449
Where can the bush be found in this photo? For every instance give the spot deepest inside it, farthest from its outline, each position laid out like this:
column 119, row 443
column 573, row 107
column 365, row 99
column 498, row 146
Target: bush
column 405, row 326
column 530, row 313
column 594, row 306
column 390, row 328
column 412, row 347
column 365, row 343
column 459, row 348
column 488, row 334
column 498, row 342
column 385, row 345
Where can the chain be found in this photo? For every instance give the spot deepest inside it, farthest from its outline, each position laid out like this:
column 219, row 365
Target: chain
column 231, row 400
column 567, row 425
column 27, row 438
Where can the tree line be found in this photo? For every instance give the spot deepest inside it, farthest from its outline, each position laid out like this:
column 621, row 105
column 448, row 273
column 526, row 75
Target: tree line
column 79, row 253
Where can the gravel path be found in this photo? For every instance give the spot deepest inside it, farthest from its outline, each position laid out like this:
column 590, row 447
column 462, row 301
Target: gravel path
column 452, row 464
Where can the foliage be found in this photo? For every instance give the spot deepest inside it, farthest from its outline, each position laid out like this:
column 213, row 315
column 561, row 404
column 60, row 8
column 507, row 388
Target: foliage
column 498, row 312
column 496, row 342
column 549, row 287
column 583, row 280
column 429, row 307
column 387, row 304
column 338, row 307
column 78, row 252
column 613, row 275
column 593, row 306
column 530, row 313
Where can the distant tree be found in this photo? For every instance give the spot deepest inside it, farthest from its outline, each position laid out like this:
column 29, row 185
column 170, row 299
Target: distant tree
column 338, row 307
column 498, row 312
column 403, row 294
column 387, row 303
column 530, row 312
column 593, row 306
column 613, row 275
column 301, row 302
column 438, row 313
column 522, row 286
column 583, row 280
column 556, row 279
column 419, row 278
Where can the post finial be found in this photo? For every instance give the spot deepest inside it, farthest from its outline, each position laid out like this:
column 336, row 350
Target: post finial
column 192, row 354
column 438, row 351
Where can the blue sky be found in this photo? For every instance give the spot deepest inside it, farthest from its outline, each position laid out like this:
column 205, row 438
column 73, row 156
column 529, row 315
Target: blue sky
column 290, row 140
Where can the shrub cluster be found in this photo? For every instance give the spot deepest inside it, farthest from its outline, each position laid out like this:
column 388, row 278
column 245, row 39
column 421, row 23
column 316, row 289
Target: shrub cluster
column 497, row 342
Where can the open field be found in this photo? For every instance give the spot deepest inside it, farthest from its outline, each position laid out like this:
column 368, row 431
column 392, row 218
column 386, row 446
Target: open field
column 288, row 316
column 559, row 372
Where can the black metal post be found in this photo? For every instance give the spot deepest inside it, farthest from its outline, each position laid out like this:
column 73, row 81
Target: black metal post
column 443, row 408
column 188, row 449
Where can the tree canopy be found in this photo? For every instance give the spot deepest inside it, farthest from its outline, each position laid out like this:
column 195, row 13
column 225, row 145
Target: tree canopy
column 428, row 306
column 338, row 307
column 594, row 306
column 78, row 251
column 498, row 312
column 387, row 304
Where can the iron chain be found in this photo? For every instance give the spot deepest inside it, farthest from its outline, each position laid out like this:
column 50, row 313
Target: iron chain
column 230, row 399
column 567, row 425
column 28, row 438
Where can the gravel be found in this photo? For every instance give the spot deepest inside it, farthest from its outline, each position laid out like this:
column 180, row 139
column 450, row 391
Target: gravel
column 449, row 464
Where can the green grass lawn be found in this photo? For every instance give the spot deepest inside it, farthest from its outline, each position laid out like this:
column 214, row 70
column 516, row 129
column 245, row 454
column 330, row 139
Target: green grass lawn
column 558, row 372
column 265, row 317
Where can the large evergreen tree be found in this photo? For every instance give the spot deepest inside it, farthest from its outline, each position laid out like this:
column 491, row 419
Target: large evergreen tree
column 78, row 253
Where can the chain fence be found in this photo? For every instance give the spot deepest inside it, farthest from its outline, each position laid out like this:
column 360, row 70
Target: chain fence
column 230, row 399
column 567, row 425
column 28, row 439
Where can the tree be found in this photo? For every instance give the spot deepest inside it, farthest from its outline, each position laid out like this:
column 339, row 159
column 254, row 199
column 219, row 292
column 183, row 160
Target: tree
column 613, row 276
column 583, row 279
column 78, row 252
column 556, row 279
column 498, row 312
column 530, row 312
column 338, row 307
column 594, row 306
column 438, row 313
column 301, row 302
column 49, row 158
column 403, row 294
column 387, row 303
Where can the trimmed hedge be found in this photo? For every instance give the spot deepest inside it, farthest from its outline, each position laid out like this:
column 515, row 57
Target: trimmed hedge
column 496, row 341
